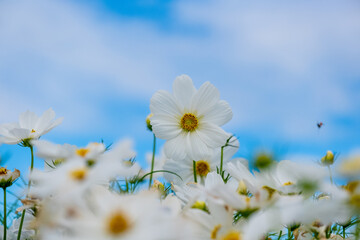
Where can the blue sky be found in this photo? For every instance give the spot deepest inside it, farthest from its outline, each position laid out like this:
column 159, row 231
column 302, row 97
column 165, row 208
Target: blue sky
column 282, row 66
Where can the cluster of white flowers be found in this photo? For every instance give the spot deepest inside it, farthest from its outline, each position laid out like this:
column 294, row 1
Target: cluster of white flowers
column 197, row 190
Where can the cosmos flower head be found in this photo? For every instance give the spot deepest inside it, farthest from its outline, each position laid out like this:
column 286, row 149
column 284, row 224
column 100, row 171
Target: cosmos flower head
column 7, row 177
column 190, row 119
column 30, row 126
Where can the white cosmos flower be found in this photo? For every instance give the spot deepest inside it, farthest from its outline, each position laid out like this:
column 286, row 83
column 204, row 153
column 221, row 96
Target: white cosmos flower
column 72, row 178
column 286, row 177
column 189, row 119
column 130, row 217
column 30, row 126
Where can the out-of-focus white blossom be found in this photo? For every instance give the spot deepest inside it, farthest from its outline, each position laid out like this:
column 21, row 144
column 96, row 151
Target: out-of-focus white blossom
column 30, row 126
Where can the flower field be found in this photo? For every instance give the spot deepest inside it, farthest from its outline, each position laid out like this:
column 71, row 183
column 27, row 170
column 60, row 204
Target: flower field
column 194, row 189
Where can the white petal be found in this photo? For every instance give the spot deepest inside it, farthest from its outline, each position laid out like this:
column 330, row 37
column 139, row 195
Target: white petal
column 6, row 127
column 178, row 167
column 206, row 97
column 45, row 120
column 20, row 133
column 219, row 114
column 196, row 147
column 212, row 135
column 213, row 180
column 162, row 102
column 183, row 89
column 28, row 120
column 9, row 140
column 51, row 126
column 176, row 147
column 165, row 129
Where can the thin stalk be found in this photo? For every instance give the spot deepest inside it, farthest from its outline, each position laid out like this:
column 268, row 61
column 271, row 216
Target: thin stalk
column 330, row 174
column 344, row 228
column 21, row 224
column 194, row 170
column 152, row 161
column 289, row 233
column 23, row 212
column 4, row 238
column 280, row 235
column 222, row 162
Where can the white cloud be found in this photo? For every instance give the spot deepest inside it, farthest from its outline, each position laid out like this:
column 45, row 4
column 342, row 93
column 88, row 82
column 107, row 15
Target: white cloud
column 280, row 65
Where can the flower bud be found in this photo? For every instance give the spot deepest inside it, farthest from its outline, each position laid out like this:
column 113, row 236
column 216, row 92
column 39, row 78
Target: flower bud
column 263, row 160
column 7, row 177
column 148, row 124
column 158, row 185
column 328, row 159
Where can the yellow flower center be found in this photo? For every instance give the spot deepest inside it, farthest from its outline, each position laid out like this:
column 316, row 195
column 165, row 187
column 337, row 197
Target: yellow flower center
column 288, row 183
column 189, row 122
column 202, row 168
column 79, row 174
column 117, row 224
column 270, row 191
column 82, row 152
column 352, row 186
column 58, row 161
column 242, row 189
column 3, row 171
column 200, row 205
column 215, row 231
column 232, row 235
column 32, row 131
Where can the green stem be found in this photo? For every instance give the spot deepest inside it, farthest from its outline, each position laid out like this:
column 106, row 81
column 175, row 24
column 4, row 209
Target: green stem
column 289, row 233
column 32, row 158
column 280, row 235
column 21, row 224
column 152, row 161
column 222, row 162
column 330, row 174
column 194, row 170
column 4, row 238
column 344, row 228
column 23, row 212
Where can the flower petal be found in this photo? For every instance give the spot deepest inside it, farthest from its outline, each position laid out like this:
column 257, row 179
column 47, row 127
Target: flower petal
column 183, row 89
column 45, row 120
column 20, row 133
column 219, row 114
column 51, row 126
column 162, row 102
column 6, row 127
column 197, row 148
column 206, row 97
column 165, row 127
column 212, row 135
column 176, row 148
column 28, row 120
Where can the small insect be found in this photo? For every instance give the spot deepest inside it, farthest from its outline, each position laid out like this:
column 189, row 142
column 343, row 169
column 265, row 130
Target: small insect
column 319, row 124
